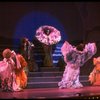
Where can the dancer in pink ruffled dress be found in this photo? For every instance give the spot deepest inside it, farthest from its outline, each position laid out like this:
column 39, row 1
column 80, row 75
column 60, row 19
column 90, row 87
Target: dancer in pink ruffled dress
column 7, row 72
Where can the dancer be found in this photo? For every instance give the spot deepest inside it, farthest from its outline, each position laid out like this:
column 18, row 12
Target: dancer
column 48, row 36
column 7, row 72
column 27, row 49
column 94, row 76
column 21, row 75
column 75, row 57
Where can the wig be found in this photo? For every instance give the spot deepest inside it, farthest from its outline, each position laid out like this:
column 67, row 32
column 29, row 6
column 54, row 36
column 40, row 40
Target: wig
column 7, row 53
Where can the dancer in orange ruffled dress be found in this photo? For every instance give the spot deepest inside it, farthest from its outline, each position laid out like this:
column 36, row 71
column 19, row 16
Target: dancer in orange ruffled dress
column 21, row 75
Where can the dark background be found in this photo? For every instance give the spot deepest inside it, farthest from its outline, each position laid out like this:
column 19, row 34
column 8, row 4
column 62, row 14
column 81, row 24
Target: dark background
column 81, row 20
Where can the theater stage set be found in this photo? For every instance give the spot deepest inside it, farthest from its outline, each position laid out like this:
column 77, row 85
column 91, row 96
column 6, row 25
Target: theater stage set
column 76, row 21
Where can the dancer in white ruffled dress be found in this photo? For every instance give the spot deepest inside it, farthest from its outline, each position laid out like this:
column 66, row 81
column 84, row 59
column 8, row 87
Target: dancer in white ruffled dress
column 75, row 57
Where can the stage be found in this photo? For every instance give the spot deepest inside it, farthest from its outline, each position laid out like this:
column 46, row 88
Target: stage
column 87, row 92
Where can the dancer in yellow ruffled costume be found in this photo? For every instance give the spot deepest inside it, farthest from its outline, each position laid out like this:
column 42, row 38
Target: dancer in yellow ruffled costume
column 94, row 76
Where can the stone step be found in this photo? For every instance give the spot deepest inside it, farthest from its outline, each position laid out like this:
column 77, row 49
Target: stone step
column 48, row 73
column 51, row 79
column 50, row 69
column 43, row 74
column 51, row 84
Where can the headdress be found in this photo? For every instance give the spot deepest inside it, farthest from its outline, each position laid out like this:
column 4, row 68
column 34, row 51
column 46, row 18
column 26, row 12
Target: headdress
column 48, row 35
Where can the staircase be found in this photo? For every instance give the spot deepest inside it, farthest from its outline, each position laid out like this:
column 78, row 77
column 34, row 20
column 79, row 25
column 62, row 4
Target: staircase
column 49, row 78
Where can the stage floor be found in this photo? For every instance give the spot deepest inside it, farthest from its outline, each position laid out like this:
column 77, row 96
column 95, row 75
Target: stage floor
column 86, row 92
